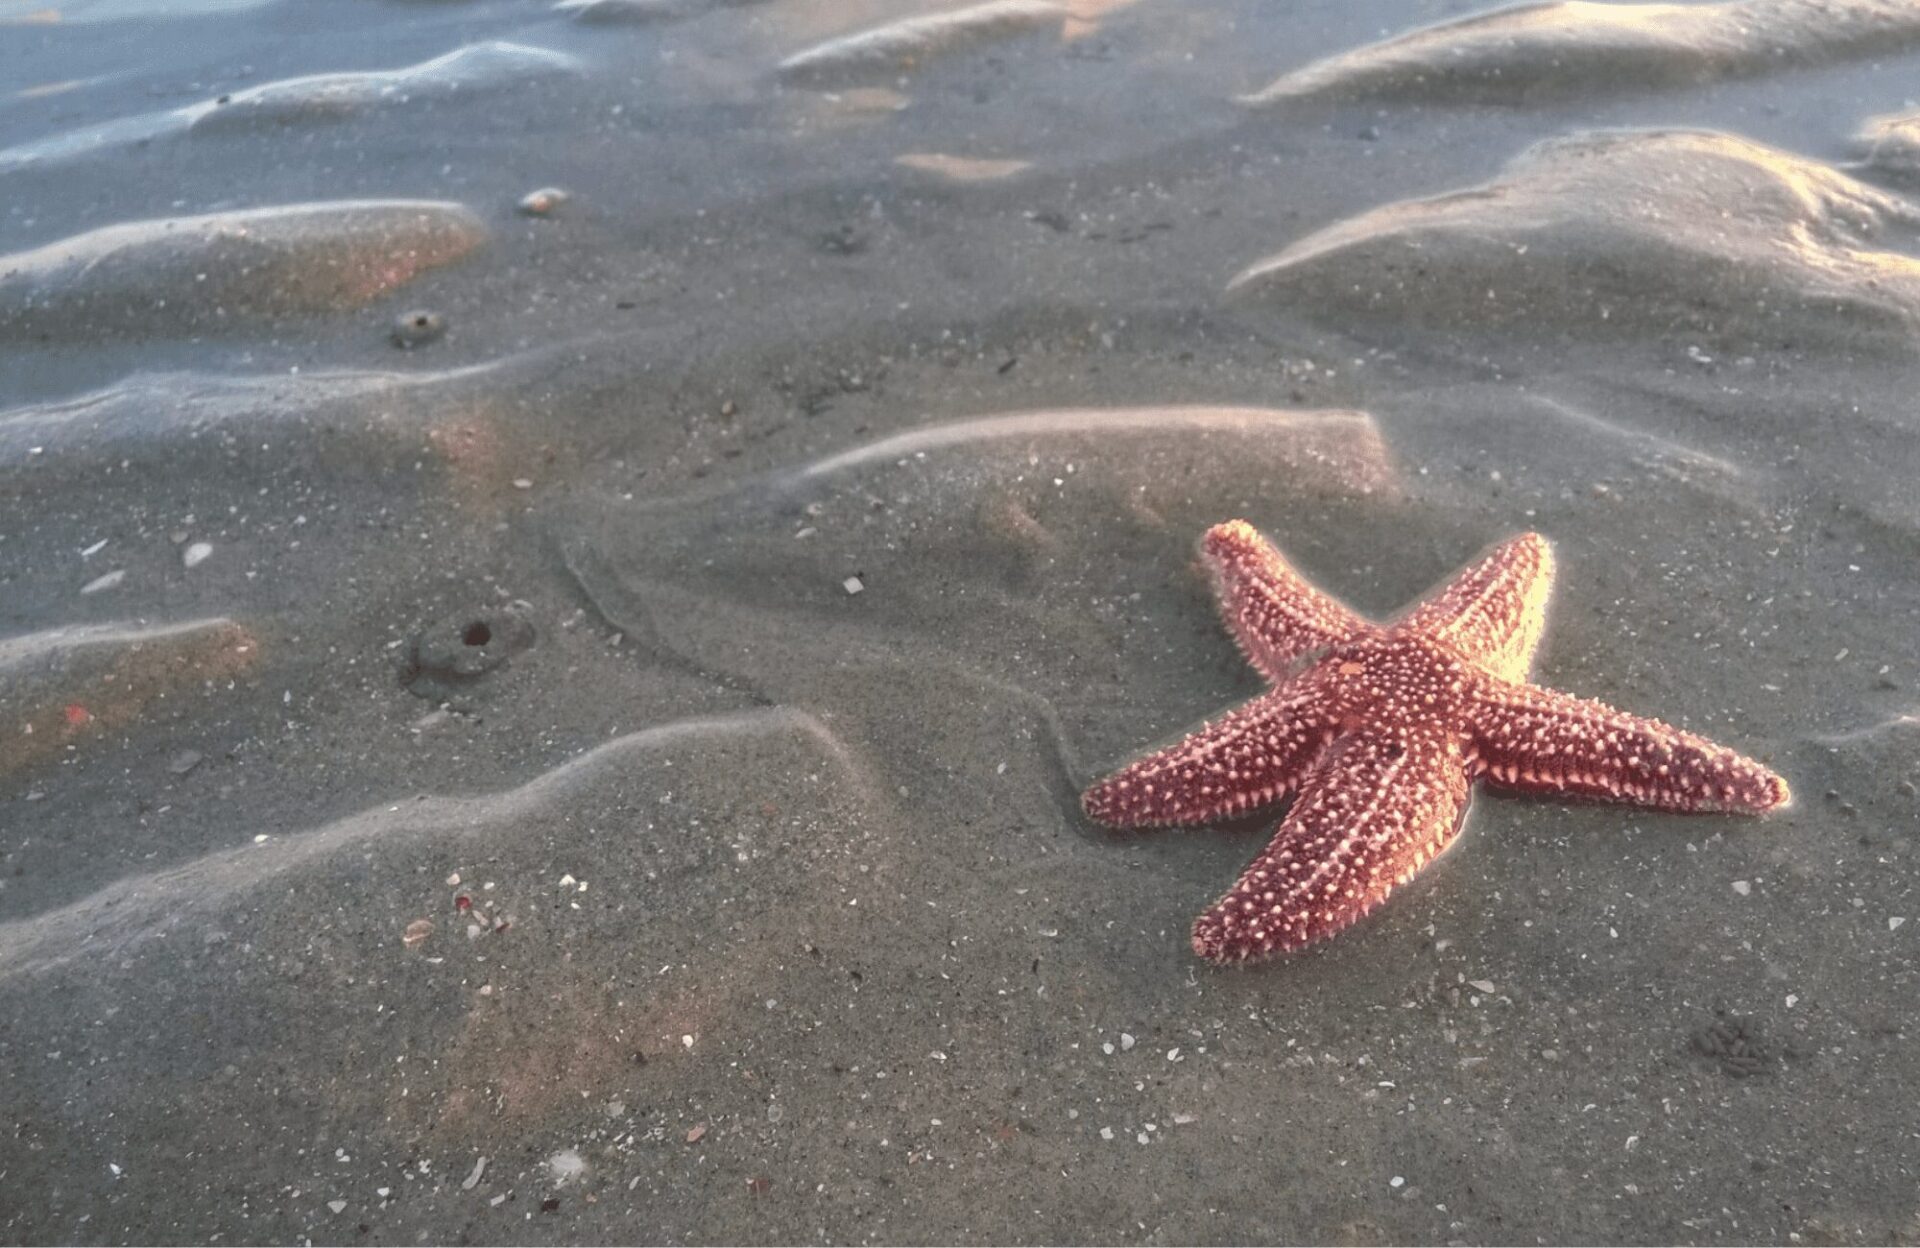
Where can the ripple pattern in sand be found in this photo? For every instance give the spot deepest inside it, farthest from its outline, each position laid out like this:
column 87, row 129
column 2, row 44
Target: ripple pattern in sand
column 1889, row 146
column 1576, row 46
column 881, row 53
column 63, row 688
column 228, row 271
column 969, row 548
column 119, row 918
column 1624, row 234
column 310, row 99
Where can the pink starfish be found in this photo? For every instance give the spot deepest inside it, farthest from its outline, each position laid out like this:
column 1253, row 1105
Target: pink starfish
column 1381, row 730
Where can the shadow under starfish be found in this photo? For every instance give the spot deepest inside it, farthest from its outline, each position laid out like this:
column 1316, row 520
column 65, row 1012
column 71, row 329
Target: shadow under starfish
column 1381, row 730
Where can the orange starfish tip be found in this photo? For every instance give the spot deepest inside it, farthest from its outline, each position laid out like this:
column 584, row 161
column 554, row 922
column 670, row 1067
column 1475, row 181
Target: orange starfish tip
column 1229, row 535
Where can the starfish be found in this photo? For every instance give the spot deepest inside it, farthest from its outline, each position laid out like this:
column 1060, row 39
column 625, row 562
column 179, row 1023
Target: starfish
column 1381, row 730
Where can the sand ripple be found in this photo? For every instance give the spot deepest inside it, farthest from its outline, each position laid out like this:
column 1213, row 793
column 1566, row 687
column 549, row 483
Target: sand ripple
column 1624, row 234
column 884, row 51
column 1575, row 47
column 1890, row 146
column 224, row 271
column 307, row 100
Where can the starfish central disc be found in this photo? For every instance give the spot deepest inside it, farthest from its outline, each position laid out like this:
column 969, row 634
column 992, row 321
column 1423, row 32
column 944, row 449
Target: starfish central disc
column 1381, row 732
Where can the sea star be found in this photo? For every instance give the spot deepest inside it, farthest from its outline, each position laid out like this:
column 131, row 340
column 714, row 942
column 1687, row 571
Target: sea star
column 1382, row 729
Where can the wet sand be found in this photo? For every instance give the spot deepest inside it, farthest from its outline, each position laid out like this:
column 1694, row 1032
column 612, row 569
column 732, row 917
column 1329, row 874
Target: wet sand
column 562, row 721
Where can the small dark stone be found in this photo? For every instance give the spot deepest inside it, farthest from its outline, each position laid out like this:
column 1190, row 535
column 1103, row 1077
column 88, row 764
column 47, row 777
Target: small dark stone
column 1370, row 134
column 550, row 1204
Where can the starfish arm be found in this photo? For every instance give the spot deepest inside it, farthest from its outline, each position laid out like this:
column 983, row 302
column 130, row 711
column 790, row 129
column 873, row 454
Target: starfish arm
column 1249, row 758
column 1378, row 808
column 1269, row 608
column 1494, row 612
column 1537, row 740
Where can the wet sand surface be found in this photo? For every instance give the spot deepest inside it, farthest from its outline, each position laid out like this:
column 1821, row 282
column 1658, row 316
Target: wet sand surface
column 549, row 718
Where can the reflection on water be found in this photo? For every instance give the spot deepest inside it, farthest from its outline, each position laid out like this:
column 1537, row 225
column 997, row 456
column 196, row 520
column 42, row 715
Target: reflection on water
column 830, row 394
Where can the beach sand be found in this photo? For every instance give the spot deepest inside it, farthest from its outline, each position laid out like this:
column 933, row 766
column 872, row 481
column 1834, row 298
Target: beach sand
column 563, row 722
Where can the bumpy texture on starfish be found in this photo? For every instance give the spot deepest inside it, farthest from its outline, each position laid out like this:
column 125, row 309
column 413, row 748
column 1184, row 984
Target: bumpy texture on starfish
column 1381, row 730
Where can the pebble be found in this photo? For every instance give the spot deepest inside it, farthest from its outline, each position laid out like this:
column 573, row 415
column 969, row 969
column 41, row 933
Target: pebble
column 337, row 1205
column 417, row 328
column 567, row 1165
column 1743, row 887
column 852, row 585
column 183, row 762
column 472, row 1180
column 1126, row 1042
column 542, row 202
column 108, row 581
column 1481, row 985
column 196, row 554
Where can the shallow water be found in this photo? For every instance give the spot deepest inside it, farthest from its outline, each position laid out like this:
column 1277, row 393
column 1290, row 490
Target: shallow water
column 604, row 690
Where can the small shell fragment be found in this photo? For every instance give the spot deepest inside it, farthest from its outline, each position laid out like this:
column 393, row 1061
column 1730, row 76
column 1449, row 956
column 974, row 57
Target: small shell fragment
column 542, row 202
